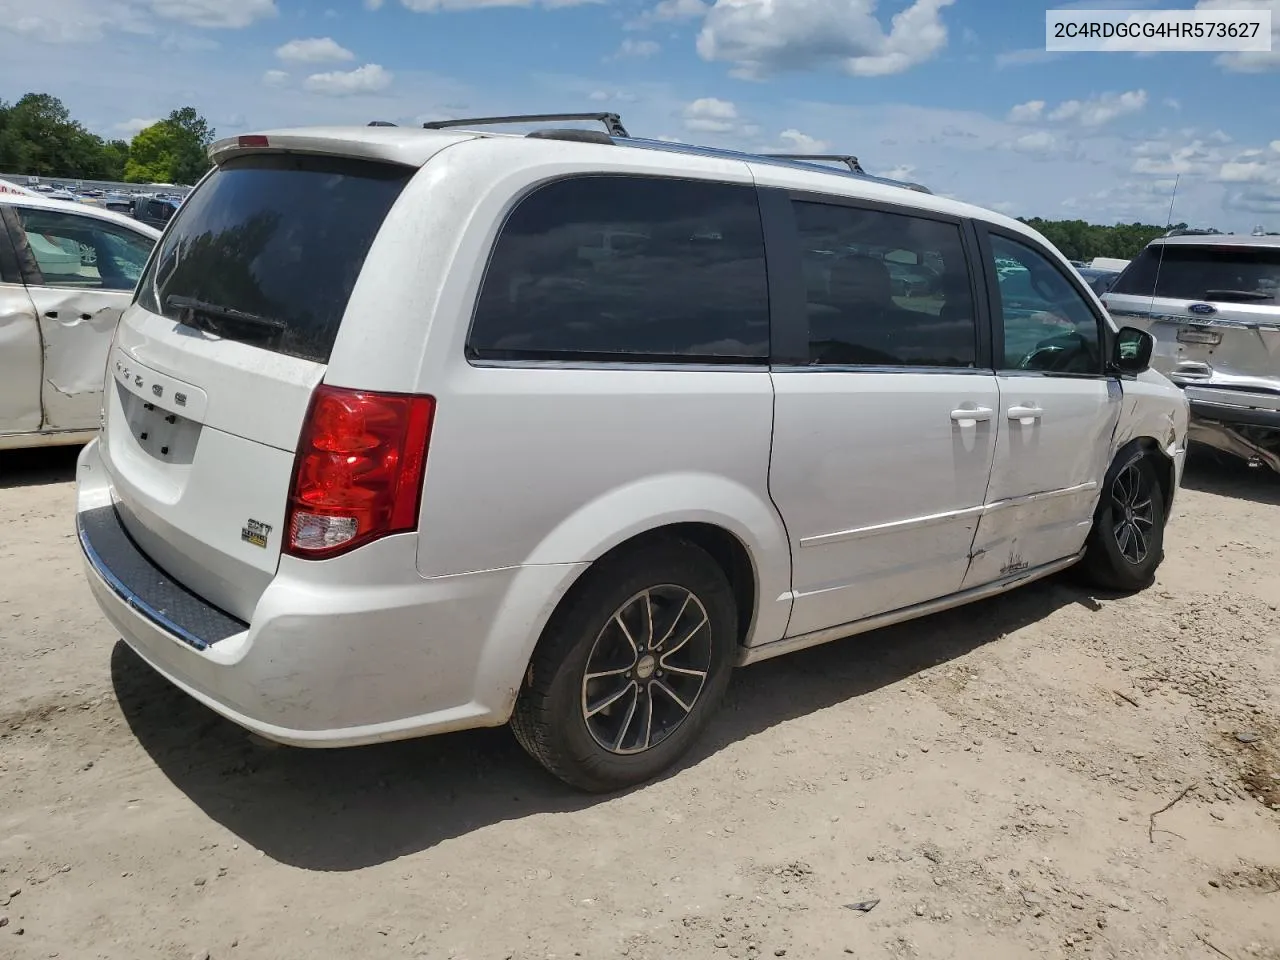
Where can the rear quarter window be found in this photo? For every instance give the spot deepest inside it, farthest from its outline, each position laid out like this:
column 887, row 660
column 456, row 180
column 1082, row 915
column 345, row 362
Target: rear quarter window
column 621, row 268
column 267, row 249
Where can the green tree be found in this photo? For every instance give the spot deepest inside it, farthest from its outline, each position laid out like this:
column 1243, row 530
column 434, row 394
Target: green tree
column 174, row 150
column 38, row 136
column 115, row 155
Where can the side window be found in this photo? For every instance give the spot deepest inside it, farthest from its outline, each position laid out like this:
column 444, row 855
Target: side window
column 627, row 268
column 76, row 251
column 1048, row 325
column 885, row 289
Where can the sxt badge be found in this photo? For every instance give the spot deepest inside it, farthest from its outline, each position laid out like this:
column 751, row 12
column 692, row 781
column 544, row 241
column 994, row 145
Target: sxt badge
column 256, row 532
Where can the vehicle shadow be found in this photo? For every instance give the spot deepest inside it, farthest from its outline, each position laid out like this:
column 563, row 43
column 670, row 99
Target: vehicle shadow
column 1208, row 471
column 340, row 810
column 38, row 466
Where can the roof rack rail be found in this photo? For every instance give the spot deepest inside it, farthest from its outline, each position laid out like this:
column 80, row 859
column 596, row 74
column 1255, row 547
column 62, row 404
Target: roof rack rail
column 612, row 122
column 847, row 159
column 381, row 123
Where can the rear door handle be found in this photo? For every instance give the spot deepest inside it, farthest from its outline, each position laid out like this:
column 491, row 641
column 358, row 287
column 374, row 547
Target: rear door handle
column 971, row 415
column 1025, row 415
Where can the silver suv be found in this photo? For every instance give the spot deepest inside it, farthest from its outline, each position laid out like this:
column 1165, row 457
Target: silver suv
column 1213, row 304
column 409, row 431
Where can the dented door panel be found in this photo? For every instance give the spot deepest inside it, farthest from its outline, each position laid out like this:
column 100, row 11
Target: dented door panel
column 76, row 327
column 20, row 361
column 79, row 271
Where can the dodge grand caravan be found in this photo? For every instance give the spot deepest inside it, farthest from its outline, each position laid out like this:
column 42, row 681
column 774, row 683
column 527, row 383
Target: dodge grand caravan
column 394, row 445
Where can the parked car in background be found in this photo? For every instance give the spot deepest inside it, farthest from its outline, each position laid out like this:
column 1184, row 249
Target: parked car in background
column 385, row 455
column 1099, row 281
column 119, row 203
column 155, row 211
column 66, row 273
column 1212, row 302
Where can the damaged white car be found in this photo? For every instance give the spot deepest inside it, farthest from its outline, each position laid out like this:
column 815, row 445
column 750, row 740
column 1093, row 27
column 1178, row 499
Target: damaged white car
column 66, row 273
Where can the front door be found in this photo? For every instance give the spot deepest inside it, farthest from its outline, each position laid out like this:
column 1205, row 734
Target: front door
column 19, row 347
column 1057, row 412
column 883, row 440
column 85, row 272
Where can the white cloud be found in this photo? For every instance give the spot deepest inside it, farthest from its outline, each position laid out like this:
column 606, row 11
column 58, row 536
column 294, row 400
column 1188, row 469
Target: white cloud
column 1255, row 199
column 1248, row 171
column 1259, row 61
column 373, row 4
column 1167, row 159
column 710, row 115
column 371, row 78
column 903, row 171
column 314, row 50
column 637, row 49
column 275, row 78
column 1042, row 143
column 797, row 142
column 87, row 21
column 431, row 6
column 763, row 37
column 670, row 11
column 1172, row 104
column 71, row 21
column 1026, row 57
column 131, row 128
column 1027, row 112
column 231, row 14
column 604, row 96
column 1100, row 110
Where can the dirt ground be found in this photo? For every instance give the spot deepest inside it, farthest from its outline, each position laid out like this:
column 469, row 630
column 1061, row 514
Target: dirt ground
column 986, row 778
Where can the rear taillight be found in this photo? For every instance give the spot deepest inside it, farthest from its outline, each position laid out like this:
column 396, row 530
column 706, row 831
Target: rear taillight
column 358, row 472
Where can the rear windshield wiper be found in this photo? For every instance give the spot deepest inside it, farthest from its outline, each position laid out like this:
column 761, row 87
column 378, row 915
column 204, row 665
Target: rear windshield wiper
column 1238, row 295
column 191, row 307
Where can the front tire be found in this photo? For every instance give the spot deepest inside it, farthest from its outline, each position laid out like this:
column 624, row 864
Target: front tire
column 630, row 668
column 1126, row 544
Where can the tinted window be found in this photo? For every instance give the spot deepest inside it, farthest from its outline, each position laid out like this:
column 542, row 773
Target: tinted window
column 83, row 252
column 885, row 289
column 627, row 268
column 1189, row 272
column 1048, row 324
column 267, row 250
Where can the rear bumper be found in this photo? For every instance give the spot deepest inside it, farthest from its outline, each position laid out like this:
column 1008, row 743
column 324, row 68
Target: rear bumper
column 1235, row 408
column 349, row 651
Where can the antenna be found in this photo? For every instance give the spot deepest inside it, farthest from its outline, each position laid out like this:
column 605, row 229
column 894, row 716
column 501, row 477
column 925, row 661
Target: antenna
column 1168, row 225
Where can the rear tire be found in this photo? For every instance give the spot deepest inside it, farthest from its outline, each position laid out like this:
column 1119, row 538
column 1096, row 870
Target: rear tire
column 630, row 668
column 1126, row 544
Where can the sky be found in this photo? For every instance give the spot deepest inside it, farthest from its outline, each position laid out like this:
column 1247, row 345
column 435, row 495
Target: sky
column 957, row 94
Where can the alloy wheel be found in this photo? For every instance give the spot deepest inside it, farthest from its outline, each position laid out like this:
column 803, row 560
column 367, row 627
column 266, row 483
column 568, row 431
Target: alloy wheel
column 646, row 670
column 1132, row 513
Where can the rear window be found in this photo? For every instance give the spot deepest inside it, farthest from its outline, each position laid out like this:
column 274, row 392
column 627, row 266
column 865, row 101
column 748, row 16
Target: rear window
column 621, row 268
column 268, row 249
column 1223, row 273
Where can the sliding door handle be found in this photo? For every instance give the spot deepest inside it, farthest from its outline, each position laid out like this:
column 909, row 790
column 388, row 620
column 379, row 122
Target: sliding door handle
column 1025, row 415
column 971, row 415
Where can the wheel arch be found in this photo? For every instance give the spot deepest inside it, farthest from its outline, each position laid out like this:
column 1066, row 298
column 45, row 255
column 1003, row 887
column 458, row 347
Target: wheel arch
column 1149, row 448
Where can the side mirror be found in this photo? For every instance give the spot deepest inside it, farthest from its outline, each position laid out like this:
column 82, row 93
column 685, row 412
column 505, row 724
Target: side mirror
column 1132, row 350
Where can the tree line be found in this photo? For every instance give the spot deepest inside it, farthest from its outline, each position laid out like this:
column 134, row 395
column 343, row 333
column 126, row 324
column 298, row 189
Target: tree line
column 38, row 137
column 1079, row 240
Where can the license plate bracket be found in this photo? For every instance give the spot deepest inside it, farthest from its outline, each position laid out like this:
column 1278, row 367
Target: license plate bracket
column 1199, row 335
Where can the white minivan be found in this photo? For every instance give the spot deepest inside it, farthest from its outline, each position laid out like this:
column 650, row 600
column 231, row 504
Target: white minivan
column 385, row 454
